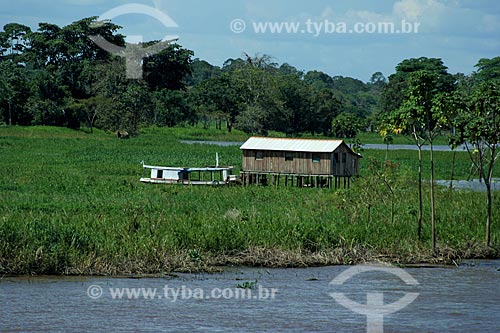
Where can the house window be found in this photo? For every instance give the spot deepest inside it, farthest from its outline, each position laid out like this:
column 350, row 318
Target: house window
column 288, row 156
column 159, row 173
column 316, row 158
column 344, row 157
column 336, row 157
column 259, row 155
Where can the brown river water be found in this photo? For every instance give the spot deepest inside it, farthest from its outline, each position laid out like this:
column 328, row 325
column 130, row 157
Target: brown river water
column 448, row 299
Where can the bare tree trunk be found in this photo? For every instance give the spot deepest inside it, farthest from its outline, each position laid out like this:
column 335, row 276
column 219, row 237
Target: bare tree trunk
column 433, row 203
column 452, row 169
column 10, row 113
column 392, row 207
column 489, row 212
column 420, row 200
column 487, row 182
column 480, row 170
column 91, row 121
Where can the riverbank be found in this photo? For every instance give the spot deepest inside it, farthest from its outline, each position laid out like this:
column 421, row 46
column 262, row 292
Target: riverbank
column 71, row 204
column 161, row 264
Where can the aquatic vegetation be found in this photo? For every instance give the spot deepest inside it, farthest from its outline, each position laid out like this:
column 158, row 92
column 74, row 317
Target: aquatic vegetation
column 71, row 203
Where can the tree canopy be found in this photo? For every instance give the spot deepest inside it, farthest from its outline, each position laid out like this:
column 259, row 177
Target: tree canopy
column 59, row 76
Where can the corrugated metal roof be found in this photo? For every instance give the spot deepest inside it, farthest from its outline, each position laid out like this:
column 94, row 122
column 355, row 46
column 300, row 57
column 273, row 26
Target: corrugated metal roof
column 304, row 145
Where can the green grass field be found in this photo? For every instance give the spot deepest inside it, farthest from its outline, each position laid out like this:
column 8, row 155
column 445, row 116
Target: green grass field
column 71, row 203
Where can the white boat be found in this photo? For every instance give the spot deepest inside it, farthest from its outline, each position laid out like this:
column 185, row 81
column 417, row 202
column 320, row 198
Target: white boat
column 189, row 176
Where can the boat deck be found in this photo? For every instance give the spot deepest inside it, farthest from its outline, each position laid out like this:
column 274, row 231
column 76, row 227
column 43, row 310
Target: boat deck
column 183, row 182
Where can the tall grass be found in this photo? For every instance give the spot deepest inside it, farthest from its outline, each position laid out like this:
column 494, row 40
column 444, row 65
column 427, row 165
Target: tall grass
column 71, row 203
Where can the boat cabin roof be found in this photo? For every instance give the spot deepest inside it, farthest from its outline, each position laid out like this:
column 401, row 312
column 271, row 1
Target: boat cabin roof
column 178, row 169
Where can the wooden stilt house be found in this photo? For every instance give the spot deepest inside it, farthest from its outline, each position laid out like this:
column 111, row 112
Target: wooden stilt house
column 300, row 162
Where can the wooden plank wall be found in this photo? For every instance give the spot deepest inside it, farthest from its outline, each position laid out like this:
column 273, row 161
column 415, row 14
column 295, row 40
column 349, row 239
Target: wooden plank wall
column 345, row 166
column 274, row 161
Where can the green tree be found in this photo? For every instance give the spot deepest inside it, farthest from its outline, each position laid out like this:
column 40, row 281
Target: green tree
column 14, row 94
column 378, row 80
column 405, row 121
column 252, row 120
column 13, row 42
column 393, row 93
column 258, row 86
column 170, row 107
column 417, row 113
column 295, row 115
column 64, row 51
column 424, row 110
column 319, row 80
column 135, row 104
column 220, row 98
column 324, row 108
column 346, row 125
column 488, row 69
column 287, row 69
column 109, row 86
column 478, row 124
column 201, row 71
column 167, row 69
column 407, row 107
column 231, row 65
column 47, row 103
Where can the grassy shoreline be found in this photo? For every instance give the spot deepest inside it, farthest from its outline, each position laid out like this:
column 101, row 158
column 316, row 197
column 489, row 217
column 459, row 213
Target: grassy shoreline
column 71, row 204
column 258, row 257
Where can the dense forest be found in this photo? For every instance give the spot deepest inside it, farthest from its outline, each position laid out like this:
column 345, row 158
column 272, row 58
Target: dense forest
column 58, row 76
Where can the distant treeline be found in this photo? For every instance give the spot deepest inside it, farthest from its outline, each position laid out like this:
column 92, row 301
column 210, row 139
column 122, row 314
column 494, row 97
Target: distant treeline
column 58, row 76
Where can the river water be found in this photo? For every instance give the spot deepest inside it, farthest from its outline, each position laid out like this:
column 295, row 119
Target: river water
column 458, row 299
column 374, row 146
